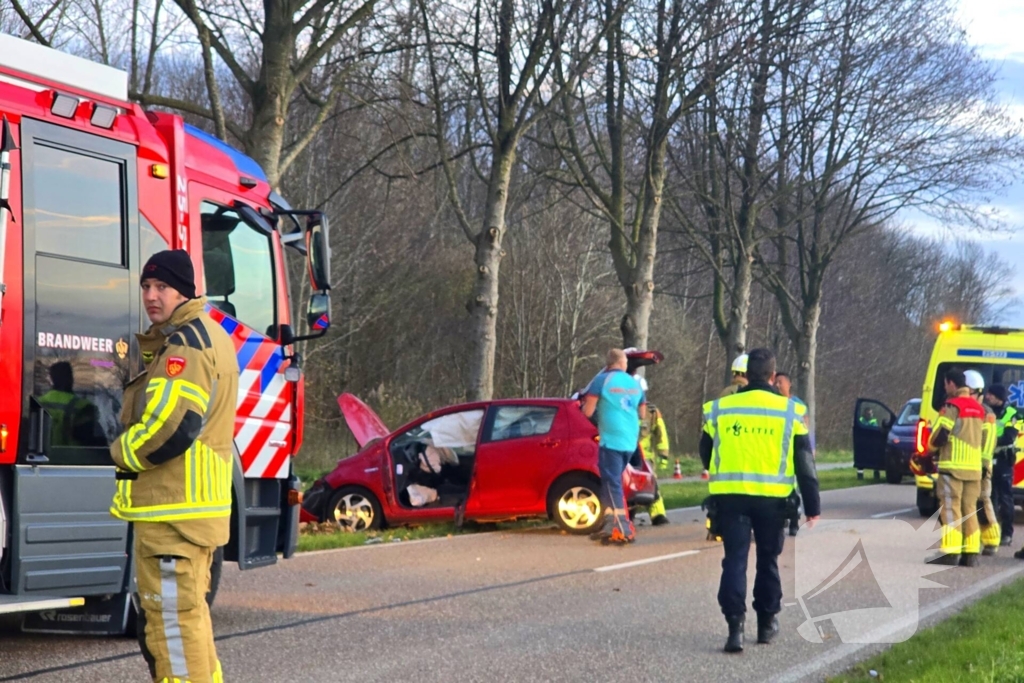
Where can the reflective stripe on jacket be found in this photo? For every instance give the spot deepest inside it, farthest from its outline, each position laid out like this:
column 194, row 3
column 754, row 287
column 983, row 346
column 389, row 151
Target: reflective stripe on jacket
column 652, row 430
column 958, row 436
column 752, row 451
column 179, row 421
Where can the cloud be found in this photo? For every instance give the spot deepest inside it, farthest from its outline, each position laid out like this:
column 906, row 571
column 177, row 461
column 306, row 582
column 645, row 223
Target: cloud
column 994, row 26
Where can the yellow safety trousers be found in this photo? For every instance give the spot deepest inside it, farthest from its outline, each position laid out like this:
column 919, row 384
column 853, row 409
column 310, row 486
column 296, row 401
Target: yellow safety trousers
column 958, row 507
column 990, row 531
column 176, row 633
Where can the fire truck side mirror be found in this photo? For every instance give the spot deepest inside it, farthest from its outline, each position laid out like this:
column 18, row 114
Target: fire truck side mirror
column 318, row 316
column 318, row 252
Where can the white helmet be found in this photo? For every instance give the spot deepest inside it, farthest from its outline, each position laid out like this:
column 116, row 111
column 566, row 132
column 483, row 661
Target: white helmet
column 740, row 364
column 975, row 382
column 643, row 382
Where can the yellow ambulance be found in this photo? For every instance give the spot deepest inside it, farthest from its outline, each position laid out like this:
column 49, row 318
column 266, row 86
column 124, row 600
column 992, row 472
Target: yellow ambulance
column 998, row 354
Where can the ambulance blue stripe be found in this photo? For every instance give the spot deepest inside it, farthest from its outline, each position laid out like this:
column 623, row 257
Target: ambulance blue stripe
column 979, row 353
column 271, row 368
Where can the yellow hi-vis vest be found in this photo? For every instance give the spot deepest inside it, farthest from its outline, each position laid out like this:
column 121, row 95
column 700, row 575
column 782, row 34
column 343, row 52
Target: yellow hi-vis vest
column 752, row 434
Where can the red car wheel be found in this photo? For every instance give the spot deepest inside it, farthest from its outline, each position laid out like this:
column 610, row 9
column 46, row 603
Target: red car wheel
column 355, row 509
column 574, row 505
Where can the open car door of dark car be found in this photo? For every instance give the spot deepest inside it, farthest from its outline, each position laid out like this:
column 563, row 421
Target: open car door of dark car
column 871, row 423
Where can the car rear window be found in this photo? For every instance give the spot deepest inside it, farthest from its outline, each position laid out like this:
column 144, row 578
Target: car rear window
column 1010, row 376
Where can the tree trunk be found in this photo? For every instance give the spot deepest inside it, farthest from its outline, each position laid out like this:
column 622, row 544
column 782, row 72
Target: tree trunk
column 807, row 355
column 272, row 93
column 483, row 306
column 735, row 338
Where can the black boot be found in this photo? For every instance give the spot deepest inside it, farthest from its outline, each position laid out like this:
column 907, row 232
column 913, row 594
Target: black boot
column 735, row 641
column 767, row 628
column 948, row 559
column 969, row 560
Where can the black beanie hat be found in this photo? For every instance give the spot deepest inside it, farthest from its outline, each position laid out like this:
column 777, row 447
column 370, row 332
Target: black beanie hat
column 999, row 391
column 174, row 267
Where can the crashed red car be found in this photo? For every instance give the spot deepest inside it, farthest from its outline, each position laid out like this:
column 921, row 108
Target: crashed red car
column 486, row 461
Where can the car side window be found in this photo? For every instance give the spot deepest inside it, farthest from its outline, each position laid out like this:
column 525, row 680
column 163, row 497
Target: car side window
column 515, row 422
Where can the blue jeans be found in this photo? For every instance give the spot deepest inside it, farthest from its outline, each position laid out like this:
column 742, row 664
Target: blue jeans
column 612, row 464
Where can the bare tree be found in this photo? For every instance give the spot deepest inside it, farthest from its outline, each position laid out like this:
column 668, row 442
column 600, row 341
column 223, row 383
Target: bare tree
column 612, row 130
column 889, row 109
column 724, row 173
column 489, row 63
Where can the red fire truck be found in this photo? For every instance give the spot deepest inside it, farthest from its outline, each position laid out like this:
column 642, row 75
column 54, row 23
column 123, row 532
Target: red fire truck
column 91, row 186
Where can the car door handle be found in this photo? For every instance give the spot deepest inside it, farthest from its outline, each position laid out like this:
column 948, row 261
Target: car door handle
column 550, row 443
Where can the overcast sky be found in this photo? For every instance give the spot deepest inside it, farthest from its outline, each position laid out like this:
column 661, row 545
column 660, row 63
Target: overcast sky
column 997, row 28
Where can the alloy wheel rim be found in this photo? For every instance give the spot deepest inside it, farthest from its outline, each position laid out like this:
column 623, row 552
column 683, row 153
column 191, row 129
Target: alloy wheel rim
column 353, row 513
column 579, row 507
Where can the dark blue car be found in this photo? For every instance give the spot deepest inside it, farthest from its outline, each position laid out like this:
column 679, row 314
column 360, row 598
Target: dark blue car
column 883, row 439
column 901, row 442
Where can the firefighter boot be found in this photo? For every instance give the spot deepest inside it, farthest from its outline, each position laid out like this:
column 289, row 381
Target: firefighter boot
column 767, row 627
column 948, row 559
column 735, row 641
column 658, row 511
column 969, row 560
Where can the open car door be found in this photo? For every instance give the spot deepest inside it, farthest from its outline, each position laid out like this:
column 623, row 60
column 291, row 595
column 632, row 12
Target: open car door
column 871, row 423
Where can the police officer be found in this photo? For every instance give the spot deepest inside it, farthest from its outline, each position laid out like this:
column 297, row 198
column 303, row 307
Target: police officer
column 755, row 446
column 1004, row 458
column 958, row 439
column 174, row 463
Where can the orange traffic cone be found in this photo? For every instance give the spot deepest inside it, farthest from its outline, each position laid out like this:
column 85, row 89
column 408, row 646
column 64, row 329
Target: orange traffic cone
column 678, row 473
column 704, row 475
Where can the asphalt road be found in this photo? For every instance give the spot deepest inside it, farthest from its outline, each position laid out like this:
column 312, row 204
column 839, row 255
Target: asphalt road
column 524, row 606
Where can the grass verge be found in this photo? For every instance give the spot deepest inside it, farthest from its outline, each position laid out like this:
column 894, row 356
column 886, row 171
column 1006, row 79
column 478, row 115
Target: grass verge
column 983, row 643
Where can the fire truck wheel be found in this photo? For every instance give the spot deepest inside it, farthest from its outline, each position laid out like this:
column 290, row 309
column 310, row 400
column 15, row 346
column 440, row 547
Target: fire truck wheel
column 353, row 508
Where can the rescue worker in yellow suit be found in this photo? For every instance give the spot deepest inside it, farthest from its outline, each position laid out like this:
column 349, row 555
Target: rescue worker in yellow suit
column 956, row 435
column 990, row 531
column 174, row 462
column 652, row 428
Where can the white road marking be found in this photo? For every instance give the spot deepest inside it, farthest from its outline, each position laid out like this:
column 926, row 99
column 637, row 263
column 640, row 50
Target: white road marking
column 884, row 631
column 649, row 560
column 892, row 513
column 672, row 511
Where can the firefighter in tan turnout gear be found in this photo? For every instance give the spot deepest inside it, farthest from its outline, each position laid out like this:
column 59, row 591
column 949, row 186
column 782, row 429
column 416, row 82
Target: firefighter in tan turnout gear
column 990, row 532
column 174, row 463
column 957, row 436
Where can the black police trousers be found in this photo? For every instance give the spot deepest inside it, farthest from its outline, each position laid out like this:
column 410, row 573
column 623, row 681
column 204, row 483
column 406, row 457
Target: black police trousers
column 1002, row 493
column 739, row 515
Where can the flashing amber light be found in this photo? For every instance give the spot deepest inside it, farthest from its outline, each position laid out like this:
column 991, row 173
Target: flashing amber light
column 295, row 497
column 3, row 438
column 946, row 326
column 159, row 171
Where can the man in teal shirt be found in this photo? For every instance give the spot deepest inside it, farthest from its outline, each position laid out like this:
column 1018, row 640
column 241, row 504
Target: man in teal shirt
column 618, row 402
